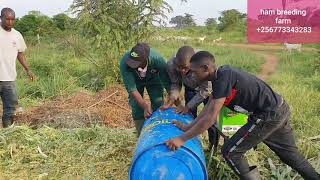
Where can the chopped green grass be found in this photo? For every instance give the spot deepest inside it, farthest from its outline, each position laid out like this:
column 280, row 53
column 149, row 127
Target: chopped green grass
column 89, row 153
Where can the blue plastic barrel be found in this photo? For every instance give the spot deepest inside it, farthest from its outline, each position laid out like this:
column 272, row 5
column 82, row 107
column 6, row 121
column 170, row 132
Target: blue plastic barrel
column 153, row 160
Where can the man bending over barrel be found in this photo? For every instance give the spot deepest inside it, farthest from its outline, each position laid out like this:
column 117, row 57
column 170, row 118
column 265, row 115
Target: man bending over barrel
column 195, row 93
column 144, row 68
column 269, row 119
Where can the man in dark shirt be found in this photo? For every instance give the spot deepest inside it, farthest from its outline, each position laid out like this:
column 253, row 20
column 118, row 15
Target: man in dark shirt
column 269, row 118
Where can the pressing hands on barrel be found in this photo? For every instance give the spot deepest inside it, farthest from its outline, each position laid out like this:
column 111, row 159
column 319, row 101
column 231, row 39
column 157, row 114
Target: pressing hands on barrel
column 180, row 108
column 176, row 143
column 203, row 122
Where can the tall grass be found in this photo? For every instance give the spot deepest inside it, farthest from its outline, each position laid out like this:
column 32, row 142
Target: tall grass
column 60, row 69
column 240, row 58
column 63, row 69
column 297, row 80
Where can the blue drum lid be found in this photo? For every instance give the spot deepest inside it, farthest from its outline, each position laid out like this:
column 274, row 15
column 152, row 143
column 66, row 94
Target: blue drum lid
column 159, row 163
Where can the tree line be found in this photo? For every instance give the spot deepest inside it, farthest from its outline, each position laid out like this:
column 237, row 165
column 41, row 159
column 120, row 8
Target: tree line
column 229, row 20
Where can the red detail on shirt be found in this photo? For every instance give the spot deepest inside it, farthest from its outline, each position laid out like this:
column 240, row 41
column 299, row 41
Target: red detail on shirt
column 230, row 98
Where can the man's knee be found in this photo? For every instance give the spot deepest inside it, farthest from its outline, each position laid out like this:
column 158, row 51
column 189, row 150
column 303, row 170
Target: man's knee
column 229, row 151
column 225, row 150
column 10, row 101
column 9, row 113
column 9, row 109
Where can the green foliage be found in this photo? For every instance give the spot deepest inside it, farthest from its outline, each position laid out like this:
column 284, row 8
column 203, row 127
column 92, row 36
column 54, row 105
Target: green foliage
column 211, row 23
column 54, row 77
column 298, row 80
column 114, row 26
column 231, row 20
column 35, row 24
column 183, row 21
column 117, row 25
column 62, row 21
column 239, row 58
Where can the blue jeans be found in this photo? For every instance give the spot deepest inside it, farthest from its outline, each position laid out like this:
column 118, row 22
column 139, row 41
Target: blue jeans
column 9, row 97
column 189, row 93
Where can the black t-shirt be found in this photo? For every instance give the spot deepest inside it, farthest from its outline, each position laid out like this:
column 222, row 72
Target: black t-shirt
column 244, row 92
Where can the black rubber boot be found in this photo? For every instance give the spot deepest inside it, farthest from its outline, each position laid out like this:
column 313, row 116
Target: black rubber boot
column 253, row 174
column 6, row 122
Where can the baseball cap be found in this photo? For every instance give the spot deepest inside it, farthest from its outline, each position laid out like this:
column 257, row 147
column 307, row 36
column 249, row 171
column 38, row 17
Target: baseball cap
column 138, row 55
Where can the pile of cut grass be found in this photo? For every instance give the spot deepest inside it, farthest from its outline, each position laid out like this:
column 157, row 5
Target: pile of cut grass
column 90, row 153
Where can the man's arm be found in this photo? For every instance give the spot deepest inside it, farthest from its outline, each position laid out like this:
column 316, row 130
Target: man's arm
column 202, row 123
column 208, row 118
column 130, row 85
column 203, row 92
column 185, row 127
column 22, row 59
column 176, row 81
column 175, row 86
column 142, row 103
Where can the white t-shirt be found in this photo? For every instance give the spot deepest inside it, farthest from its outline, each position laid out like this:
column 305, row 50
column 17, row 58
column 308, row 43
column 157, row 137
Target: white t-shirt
column 10, row 44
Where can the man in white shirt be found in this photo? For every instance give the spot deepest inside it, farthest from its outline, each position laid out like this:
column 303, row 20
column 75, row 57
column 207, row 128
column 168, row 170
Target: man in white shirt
column 12, row 47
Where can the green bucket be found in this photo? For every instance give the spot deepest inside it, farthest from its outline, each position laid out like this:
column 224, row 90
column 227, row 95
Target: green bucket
column 230, row 121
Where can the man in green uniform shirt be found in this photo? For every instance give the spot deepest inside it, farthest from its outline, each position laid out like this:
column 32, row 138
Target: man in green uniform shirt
column 141, row 68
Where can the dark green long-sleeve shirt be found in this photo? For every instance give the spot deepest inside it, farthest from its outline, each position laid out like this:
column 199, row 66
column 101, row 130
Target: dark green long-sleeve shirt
column 156, row 71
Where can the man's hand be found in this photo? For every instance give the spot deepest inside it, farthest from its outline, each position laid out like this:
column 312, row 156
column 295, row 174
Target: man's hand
column 168, row 105
column 181, row 125
column 182, row 110
column 31, row 75
column 22, row 59
column 175, row 144
column 147, row 111
column 165, row 107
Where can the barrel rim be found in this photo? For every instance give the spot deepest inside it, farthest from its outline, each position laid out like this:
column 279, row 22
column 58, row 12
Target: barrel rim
column 160, row 144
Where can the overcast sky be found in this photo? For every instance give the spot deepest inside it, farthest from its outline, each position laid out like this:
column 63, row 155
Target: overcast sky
column 201, row 9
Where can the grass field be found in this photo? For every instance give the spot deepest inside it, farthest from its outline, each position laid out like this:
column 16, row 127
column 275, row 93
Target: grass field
column 105, row 153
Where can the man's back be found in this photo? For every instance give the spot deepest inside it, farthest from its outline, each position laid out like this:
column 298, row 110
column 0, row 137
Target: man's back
column 244, row 91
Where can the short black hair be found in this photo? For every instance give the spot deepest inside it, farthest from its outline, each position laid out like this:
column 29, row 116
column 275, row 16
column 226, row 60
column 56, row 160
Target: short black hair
column 6, row 10
column 203, row 58
column 184, row 54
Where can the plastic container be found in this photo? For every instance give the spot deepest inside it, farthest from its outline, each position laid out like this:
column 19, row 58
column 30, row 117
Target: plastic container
column 153, row 160
column 230, row 121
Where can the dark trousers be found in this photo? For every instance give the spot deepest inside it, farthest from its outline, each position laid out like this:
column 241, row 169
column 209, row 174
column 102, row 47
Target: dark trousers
column 9, row 97
column 273, row 129
column 188, row 95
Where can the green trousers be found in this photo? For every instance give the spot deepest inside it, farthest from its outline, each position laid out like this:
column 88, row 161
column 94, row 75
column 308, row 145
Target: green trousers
column 155, row 91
